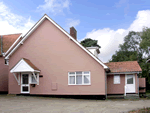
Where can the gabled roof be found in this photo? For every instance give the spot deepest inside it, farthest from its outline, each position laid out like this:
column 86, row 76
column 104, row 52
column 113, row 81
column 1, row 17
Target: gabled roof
column 61, row 29
column 24, row 65
column 7, row 41
column 126, row 66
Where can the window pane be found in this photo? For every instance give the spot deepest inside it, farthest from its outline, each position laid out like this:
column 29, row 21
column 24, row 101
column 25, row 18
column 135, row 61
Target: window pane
column 86, row 72
column 25, row 88
column 72, row 80
column 79, row 73
column 130, row 80
column 79, row 79
column 86, row 79
column 25, row 78
column 71, row 73
column 33, row 79
column 116, row 79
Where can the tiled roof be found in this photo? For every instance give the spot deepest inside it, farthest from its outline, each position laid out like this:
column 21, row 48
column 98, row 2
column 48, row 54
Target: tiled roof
column 126, row 66
column 7, row 41
column 30, row 64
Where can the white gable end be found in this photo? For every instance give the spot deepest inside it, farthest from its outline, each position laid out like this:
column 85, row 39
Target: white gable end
column 21, row 66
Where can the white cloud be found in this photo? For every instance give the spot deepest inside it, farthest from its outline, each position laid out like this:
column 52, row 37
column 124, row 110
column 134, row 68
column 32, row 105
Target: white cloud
column 54, row 6
column 121, row 2
column 72, row 22
column 13, row 23
column 110, row 39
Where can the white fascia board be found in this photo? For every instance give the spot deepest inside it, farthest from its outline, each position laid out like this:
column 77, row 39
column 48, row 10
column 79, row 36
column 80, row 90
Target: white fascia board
column 25, row 36
column 12, row 45
column 92, row 47
column 38, row 23
column 133, row 72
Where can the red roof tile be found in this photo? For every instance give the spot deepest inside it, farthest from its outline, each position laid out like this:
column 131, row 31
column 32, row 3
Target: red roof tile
column 30, row 64
column 126, row 66
column 7, row 41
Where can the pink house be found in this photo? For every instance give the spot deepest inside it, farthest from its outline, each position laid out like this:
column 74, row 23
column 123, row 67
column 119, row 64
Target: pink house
column 49, row 61
column 6, row 43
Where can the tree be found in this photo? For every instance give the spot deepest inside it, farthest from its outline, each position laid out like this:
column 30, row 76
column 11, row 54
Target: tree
column 135, row 48
column 129, row 50
column 145, row 43
column 88, row 42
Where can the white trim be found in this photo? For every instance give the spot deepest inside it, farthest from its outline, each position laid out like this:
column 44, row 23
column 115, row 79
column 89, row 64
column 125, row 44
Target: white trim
column 12, row 45
column 82, row 78
column 22, row 62
column 17, row 79
column 25, row 67
column 133, row 81
column 38, row 23
column 92, row 47
column 134, row 72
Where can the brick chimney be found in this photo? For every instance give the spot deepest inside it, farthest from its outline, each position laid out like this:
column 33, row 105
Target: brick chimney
column 73, row 33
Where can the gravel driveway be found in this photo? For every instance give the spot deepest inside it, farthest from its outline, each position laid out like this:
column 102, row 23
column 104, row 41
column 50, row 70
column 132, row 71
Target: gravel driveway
column 30, row 104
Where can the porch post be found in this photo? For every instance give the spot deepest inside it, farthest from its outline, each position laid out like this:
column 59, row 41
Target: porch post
column 16, row 78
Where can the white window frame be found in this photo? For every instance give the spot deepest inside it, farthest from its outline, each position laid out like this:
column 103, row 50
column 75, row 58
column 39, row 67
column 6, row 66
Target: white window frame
column 82, row 78
column 119, row 79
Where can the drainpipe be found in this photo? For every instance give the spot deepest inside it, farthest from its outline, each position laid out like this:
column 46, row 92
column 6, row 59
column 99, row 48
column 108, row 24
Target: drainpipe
column 106, row 84
column 138, row 84
column 2, row 44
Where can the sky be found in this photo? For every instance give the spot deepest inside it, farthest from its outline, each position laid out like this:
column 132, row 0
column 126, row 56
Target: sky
column 107, row 21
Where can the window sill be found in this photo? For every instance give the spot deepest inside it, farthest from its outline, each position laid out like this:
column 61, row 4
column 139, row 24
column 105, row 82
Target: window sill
column 117, row 83
column 33, row 83
column 79, row 84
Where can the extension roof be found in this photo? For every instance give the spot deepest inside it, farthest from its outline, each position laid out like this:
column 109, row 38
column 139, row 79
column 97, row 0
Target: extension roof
column 126, row 66
column 7, row 41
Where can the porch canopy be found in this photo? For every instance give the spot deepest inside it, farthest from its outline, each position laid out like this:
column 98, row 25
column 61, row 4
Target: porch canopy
column 24, row 65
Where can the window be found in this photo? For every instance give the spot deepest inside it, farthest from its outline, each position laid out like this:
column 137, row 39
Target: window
column 116, row 79
column 33, row 79
column 79, row 78
column 130, row 79
column 6, row 61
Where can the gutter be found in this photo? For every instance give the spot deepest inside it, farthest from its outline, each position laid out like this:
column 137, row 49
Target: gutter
column 125, row 72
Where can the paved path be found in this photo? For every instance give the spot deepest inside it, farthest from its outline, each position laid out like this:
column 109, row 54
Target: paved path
column 23, row 104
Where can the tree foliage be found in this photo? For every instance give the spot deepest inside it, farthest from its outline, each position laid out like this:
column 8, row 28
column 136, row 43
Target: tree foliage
column 89, row 43
column 129, row 50
column 135, row 48
column 145, row 43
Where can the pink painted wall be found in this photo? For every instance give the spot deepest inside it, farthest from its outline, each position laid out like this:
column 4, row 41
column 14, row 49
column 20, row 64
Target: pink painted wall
column 3, row 76
column 118, row 88
column 136, row 83
column 55, row 55
column 115, row 88
column 142, row 83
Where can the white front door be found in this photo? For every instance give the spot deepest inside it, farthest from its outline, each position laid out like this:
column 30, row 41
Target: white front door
column 130, row 83
column 25, row 87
